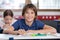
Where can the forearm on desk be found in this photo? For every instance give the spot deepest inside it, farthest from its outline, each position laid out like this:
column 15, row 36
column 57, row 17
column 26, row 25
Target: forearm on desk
column 46, row 29
column 10, row 32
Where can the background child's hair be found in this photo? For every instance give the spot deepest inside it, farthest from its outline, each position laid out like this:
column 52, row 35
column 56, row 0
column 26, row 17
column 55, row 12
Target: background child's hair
column 8, row 13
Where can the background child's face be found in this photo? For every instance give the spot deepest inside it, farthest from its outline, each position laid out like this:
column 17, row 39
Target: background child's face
column 8, row 19
column 29, row 15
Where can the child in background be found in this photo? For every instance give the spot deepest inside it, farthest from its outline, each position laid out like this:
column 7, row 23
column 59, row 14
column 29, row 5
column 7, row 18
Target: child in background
column 7, row 20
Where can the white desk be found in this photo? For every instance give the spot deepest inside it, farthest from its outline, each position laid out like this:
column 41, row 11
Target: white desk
column 7, row 36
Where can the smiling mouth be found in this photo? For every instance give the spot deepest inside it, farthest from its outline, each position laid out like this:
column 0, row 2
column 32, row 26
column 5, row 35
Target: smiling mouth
column 29, row 18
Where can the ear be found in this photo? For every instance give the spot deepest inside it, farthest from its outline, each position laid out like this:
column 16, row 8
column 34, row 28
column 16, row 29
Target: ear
column 35, row 17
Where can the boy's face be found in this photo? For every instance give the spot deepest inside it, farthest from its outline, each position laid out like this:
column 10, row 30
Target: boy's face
column 8, row 19
column 29, row 15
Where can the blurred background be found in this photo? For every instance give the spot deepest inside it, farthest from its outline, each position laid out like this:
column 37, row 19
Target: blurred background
column 47, row 9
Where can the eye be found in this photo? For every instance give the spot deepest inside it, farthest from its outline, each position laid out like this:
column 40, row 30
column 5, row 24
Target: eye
column 10, row 18
column 32, row 12
column 26, row 12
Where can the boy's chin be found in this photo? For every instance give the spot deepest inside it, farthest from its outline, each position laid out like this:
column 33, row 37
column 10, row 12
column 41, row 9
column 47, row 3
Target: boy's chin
column 30, row 20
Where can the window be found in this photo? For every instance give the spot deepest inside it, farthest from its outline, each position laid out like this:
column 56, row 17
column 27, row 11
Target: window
column 46, row 4
column 49, row 4
column 35, row 2
column 40, row 4
column 12, row 4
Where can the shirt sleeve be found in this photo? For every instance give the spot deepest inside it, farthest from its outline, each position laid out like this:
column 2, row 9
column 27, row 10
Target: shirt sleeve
column 13, row 21
column 16, row 25
column 40, row 24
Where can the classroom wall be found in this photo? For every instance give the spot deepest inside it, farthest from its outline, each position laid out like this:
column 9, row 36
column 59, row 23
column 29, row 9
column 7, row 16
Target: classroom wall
column 39, row 13
column 43, row 15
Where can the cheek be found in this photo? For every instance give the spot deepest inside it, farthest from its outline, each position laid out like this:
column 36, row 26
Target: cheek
column 25, row 16
column 33, row 16
column 6, row 21
column 10, row 21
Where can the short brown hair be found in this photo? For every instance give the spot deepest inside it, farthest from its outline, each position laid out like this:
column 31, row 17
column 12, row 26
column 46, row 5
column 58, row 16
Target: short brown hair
column 8, row 13
column 29, row 6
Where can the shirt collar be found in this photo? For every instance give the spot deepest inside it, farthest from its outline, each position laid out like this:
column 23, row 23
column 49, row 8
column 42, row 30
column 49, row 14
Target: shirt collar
column 33, row 24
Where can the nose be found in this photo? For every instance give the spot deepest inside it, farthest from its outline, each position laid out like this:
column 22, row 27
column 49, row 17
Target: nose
column 29, row 14
column 8, row 21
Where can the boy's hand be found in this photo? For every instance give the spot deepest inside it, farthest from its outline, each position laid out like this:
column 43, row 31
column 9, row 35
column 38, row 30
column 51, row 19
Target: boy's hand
column 31, row 31
column 22, row 32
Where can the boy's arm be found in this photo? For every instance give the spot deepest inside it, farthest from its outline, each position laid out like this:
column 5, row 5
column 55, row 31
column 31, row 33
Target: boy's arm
column 46, row 29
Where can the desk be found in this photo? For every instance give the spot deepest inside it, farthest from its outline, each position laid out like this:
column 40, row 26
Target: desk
column 7, row 36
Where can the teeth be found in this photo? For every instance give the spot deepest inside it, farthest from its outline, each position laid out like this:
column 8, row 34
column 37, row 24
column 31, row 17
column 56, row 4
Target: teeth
column 28, row 17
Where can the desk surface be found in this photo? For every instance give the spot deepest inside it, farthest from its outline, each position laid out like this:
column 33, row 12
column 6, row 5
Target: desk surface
column 7, row 36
